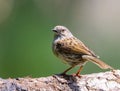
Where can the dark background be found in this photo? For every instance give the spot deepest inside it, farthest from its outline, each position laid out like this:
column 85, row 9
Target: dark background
column 26, row 36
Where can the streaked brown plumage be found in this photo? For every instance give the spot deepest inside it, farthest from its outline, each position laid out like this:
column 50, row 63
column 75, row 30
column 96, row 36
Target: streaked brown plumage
column 72, row 51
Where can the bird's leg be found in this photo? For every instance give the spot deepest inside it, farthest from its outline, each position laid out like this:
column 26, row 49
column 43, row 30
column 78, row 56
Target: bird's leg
column 64, row 73
column 79, row 70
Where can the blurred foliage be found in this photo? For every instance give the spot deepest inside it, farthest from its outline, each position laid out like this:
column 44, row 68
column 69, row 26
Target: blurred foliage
column 26, row 36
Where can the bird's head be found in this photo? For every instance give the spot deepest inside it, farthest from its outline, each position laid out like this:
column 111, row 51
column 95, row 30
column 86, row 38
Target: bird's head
column 62, row 31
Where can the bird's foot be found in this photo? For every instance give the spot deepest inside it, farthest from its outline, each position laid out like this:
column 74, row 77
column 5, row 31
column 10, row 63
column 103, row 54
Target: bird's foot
column 77, row 75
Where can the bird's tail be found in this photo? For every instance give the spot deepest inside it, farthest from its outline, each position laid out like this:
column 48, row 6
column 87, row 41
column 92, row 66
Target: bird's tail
column 97, row 61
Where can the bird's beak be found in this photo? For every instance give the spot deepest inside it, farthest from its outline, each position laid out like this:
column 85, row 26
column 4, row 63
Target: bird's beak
column 54, row 30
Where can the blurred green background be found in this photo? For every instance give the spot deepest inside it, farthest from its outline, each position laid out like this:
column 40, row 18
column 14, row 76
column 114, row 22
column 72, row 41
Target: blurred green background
column 26, row 36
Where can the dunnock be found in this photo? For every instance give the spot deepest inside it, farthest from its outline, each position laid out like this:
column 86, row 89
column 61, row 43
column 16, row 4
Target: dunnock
column 72, row 51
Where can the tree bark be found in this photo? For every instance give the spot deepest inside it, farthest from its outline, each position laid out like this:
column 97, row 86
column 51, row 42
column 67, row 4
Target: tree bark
column 104, row 81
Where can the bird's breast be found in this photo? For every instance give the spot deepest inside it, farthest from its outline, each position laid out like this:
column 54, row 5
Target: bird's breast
column 65, row 54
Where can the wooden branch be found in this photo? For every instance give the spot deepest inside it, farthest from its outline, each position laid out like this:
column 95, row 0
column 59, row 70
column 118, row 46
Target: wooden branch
column 107, row 81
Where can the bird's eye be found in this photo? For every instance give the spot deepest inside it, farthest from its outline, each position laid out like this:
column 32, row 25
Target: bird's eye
column 62, row 30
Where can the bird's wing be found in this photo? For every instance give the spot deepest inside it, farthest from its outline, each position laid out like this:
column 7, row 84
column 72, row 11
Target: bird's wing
column 87, row 50
column 73, row 45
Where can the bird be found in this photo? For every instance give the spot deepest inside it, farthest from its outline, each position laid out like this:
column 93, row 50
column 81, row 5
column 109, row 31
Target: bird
column 72, row 51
